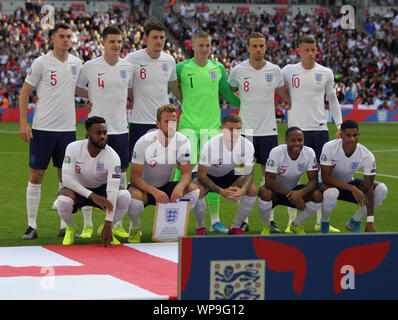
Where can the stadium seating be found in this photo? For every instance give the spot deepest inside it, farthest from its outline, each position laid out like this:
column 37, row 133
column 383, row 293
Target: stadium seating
column 242, row 9
column 78, row 6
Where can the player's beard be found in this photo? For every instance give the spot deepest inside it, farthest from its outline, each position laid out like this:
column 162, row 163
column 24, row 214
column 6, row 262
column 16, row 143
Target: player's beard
column 98, row 145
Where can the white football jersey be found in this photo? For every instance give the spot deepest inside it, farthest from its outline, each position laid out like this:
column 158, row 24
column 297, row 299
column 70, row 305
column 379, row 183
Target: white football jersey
column 221, row 161
column 344, row 167
column 290, row 171
column 158, row 161
column 307, row 92
column 80, row 171
column 108, row 90
column 55, row 84
column 150, row 85
column 257, row 97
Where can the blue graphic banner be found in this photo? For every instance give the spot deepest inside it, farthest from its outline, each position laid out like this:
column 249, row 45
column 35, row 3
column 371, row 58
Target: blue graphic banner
column 347, row 266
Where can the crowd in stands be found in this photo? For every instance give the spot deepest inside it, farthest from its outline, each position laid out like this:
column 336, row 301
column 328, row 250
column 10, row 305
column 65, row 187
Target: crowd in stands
column 23, row 38
column 364, row 60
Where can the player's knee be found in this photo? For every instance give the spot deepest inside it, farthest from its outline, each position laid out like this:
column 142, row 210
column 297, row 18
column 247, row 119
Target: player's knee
column 265, row 194
column 136, row 194
column 331, row 194
column 64, row 204
column 317, row 196
column 36, row 176
column 381, row 191
column 252, row 191
column 123, row 199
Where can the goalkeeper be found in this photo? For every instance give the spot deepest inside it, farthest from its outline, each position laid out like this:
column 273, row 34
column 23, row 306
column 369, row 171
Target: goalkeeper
column 201, row 81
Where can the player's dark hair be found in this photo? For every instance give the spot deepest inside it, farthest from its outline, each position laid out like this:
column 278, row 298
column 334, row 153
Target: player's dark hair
column 166, row 108
column 92, row 120
column 110, row 30
column 349, row 124
column 59, row 25
column 154, row 25
column 307, row 39
column 255, row 35
column 231, row 117
column 291, row 129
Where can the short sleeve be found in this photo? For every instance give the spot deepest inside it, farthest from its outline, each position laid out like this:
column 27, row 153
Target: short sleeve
column 83, row 79
column 34, row 76
column 272, row 162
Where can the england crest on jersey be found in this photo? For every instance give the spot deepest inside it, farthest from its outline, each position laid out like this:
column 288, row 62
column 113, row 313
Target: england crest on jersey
column 165, row 67
column 268, row 77
column 123, row 74
column 318, row 77
column 73, row 69
column 213, row 75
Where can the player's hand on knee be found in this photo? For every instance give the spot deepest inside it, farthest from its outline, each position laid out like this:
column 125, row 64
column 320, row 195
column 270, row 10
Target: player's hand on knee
column 161, row 196
column 359, row 196
column 102, row 202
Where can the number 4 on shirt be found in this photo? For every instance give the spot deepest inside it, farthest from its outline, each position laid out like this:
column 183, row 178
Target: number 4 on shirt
column 100, row 83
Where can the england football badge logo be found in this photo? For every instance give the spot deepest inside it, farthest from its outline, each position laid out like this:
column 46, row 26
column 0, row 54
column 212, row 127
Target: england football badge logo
column 73, row 69
column 213, row 75
column 165, row 67
column 318, row 77
column 268, row 77
column 237, row 280
column 171, row 215
column 123, row 74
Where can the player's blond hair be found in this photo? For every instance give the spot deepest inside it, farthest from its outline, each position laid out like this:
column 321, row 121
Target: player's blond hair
column 166, row 108
column 200, row 35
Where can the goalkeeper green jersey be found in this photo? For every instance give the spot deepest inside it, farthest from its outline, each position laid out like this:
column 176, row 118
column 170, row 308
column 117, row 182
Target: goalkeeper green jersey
column 200, row 88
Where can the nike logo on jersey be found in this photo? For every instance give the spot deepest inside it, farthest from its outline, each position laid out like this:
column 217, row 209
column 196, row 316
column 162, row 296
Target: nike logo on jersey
column 246, row 78
column 142, row 65
column 53, row 71
column 190, row 74
column 100, row 74
column 295, row 75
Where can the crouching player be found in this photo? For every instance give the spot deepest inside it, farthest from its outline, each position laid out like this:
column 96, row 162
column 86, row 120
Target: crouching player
column 155, row 156
column 91, row 177
column 220, row 159
column 284, row 169
column 339, row 160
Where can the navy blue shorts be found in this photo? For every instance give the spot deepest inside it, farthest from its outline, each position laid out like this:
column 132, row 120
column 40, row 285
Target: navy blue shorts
column 224, row 181
column 167, row 188
column 120, row 143
column 262, row 146
column 281, row 199
column 136, row 131
column 347, row 195
column 316, row 140
column 46, row 145
column 344, row 194
column 83, row 201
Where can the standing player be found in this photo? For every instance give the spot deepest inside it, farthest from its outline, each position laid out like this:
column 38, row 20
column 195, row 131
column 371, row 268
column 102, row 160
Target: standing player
column 154, row 72
column 309, row 83
column 54, row 77
column 340, row 159
column 285, row 167
column 216, row 172
column 109, row 78
column 257, row 80
column 155, row 156
column 91, row 175
column 202, row 80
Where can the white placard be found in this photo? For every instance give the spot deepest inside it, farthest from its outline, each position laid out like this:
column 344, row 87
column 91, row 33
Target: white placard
column 171, row 221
